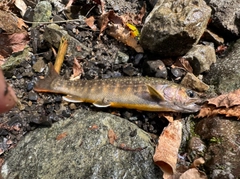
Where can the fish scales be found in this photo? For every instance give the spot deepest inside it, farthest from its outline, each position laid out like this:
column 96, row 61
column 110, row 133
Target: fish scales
column 142, row 93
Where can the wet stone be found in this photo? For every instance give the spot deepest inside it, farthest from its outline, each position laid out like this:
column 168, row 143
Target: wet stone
column 30, row 86
column 70, row 149
column 32, row 96
column 155, row 68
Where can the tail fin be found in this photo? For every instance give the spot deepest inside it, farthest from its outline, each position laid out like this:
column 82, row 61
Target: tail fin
column 44, row 85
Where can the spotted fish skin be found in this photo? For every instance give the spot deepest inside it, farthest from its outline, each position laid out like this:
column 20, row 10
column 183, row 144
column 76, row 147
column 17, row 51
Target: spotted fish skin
column 142, row 93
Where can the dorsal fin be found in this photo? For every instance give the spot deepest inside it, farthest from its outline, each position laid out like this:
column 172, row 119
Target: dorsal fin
column 155, row 93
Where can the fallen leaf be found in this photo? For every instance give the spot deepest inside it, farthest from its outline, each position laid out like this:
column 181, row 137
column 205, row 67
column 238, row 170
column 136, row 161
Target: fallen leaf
column 166, row 153
column 225, row 104
column 20, row 4
column 111, row 136
column 226, row 100
column 61, row 136
column 124, row 35
column 193, row 173
column 11, row 23
column 77, row 70
column 90, row 22
column 12, row 43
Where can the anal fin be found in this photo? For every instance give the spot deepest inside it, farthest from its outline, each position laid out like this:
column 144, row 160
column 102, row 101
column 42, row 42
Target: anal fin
column 72, row 99
column 102, row 104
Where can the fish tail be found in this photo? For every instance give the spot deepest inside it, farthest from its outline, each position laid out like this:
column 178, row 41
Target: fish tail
column 45, row 85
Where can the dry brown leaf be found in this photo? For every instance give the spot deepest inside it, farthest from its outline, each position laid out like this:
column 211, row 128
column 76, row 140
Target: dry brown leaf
column 10, row 23
column 166, row 153
column 226, row 100
column 12, row 43
column 168, row 116
column 77, row 70
column 225, row 104
column 111, row 136
column 61, row 136
column 90, row 22
column 193, row 173
column 124, row 35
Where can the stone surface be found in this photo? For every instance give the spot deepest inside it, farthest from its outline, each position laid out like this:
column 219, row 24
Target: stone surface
column 226, row 17
column 222, row 155
column 174, row 26
column 42, row 12
column 201, row 57
column 53, row 34
column 79, row 148
column 225, row 74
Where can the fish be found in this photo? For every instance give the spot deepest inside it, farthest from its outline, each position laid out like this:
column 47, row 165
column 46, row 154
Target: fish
column 140, row 93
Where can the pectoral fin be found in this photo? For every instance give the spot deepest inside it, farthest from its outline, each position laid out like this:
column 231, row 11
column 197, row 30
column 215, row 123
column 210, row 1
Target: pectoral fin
column 102, row 104
column 153, row 92
column 72, row 99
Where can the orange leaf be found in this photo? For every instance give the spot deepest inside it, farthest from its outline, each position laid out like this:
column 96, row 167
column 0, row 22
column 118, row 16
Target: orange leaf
column 111, row 136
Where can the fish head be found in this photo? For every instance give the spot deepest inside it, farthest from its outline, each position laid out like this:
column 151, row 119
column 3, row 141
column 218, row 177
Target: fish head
column 181, row 99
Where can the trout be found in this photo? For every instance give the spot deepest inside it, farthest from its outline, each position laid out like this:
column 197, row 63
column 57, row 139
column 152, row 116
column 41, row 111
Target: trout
column 141, row 93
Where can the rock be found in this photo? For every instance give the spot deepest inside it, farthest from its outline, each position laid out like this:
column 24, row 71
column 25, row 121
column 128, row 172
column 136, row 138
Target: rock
column 79, row 147
column 201, row 57
column 226, row 17
column 39, row 66
column 53, row 34
column 222, row 155
column 155, row 68
column 225, row 74
column 191, row 81
column 42, row 12
column 32, row 96
column 121, row 57
column 174, row 26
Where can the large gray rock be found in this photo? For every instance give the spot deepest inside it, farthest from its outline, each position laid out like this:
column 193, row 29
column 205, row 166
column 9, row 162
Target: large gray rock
column 226, row 17
column 79, row 148
column 174, row 26
column 225, row 73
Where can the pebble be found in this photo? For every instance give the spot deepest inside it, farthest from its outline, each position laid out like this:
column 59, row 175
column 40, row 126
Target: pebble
column 155, row 68
column 32, row 96
column 30, row 86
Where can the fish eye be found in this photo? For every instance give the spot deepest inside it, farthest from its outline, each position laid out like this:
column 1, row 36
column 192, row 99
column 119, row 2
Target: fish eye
column 190, row 93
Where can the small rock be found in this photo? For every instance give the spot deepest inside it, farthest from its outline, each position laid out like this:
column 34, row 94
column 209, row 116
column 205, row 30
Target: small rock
column 201, row 57
column 155, row 68
column 178, row 72
column 121, row 58
column 129, row 70
column 137, row 59
column 191, row 81
column 32, row 96
column 39, row 66
column 196, row 146
column 30, row 86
